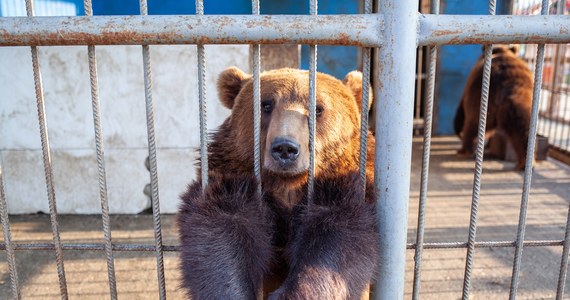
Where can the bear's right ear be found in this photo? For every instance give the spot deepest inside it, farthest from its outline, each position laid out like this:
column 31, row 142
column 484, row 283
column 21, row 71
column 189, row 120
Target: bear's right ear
column 353, row 81
column 229, row 85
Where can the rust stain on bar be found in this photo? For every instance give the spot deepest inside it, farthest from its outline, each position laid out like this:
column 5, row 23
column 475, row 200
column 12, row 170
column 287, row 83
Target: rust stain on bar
column 365, row 30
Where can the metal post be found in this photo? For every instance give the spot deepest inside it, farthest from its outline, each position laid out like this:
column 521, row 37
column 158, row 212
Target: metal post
column 394, row 115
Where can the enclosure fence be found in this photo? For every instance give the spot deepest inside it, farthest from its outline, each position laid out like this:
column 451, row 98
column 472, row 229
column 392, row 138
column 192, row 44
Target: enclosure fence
column 554, row 112
column 395, row 31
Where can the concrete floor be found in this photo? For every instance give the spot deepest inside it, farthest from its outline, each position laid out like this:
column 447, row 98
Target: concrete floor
column 447, row 219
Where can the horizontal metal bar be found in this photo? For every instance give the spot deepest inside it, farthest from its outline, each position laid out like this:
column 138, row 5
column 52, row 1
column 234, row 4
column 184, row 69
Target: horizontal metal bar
column 472, row 29
column 364, row 30
column 173, row 248
column 94, row 247
column 498, row 244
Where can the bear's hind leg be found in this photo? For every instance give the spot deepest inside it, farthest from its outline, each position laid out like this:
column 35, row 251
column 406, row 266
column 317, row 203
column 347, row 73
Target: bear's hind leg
column 225, row 236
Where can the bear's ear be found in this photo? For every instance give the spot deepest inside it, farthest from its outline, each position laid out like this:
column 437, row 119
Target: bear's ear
column 353, row 81
column 229, row 85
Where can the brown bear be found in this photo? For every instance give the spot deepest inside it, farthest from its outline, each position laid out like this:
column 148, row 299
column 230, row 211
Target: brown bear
column 509, row 107
column 233, row 240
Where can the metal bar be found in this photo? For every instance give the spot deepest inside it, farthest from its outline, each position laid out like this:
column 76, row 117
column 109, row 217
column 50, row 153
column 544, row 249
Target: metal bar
column 394, row 119
column 100, row 150
column 492, row 244
column 365, row 107
column 202, row 104
column 91, row 247
column 528, row 164
column 550, row 106
column 256, row 104
column 564, row 260
column 48, row 171
column 8, row 245
column 472, row 29
column 174, row 248
column 152, row 161
column 257, row 118
column 557, row 91
column 312, row 109
column 364, row 30
column 428, row 121
column 478, row 163
column 419, row 79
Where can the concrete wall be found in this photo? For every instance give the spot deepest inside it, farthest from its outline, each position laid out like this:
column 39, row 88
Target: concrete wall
column 65, row 75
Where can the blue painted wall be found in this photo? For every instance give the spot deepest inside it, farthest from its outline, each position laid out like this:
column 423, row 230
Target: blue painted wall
column 456, row 62
column 333, row 60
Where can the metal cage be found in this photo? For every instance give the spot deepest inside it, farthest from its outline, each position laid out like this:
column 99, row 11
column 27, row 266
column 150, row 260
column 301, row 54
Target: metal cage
column 395, row 31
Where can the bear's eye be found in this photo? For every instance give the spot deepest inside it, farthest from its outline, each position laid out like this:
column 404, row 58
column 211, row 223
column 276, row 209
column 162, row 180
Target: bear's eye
column 319, row 110
column 267, row 106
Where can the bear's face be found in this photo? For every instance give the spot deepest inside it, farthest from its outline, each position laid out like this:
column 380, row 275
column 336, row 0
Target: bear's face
column 284, row 117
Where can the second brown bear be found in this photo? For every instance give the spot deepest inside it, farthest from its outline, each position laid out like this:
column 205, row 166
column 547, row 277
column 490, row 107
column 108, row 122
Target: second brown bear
column 510, row 103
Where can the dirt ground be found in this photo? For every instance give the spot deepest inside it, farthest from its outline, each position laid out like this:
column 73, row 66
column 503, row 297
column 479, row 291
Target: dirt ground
column 447, row 219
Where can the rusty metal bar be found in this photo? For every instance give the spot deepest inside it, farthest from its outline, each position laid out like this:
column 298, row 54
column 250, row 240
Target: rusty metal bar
column 364, row 30
column 478, row 163
column 99, row 147
column 155, row 202
column 46, row 155
column 528, row 164
column 393, row 153
column 8, row 245
column 472, row 29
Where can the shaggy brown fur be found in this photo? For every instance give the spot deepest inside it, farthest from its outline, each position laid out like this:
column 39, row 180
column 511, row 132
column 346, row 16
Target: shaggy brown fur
column 510, row 101
column 323, row 251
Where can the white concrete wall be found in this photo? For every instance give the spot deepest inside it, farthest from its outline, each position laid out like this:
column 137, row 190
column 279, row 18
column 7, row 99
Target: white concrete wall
column 65, row 75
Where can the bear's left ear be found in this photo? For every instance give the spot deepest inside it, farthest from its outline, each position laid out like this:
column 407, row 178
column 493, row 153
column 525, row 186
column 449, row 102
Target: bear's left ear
column 353, row 81
column 229, row 85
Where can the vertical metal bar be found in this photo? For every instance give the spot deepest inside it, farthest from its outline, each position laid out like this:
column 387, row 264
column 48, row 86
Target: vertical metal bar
column 564, row 260
column 100, row 149
column 312, row 109
column 202, row 104
column 563, row 99
column 428, row 120
column 365, row 106
column 478, row 163
column 528, row 164
column 394, row 118
column 8, row 240
column 47, row 162
column 551, row 105
column 257, row 116
column 152, row 161
column 419, row 79
column 256, row 104
column 558, row 77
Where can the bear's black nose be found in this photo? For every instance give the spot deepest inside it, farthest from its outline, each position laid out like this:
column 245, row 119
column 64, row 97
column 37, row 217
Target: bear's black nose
column 284, row 151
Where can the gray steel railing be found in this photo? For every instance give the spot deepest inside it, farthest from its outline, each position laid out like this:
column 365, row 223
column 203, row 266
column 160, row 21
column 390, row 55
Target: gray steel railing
column 397, row 31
